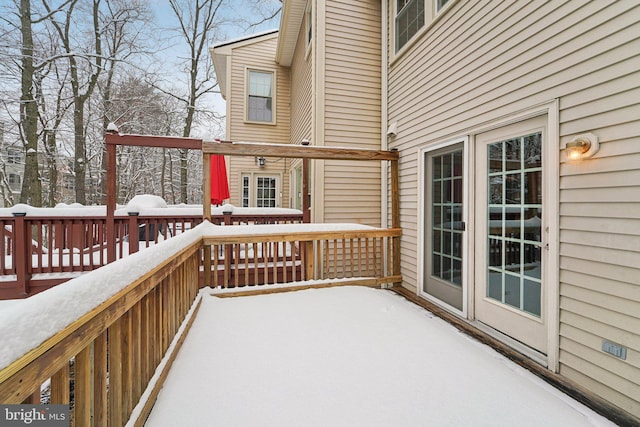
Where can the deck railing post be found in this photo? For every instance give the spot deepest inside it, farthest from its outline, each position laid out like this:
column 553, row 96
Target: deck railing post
column 306, row 205
column 308, row 259
column 228, row 251
column 227, row 217
column 21, row 255
column 133, row 232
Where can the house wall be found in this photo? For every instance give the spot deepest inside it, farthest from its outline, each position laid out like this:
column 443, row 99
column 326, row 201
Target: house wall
column 351, row 108
column 259, row 54
column 301, row 91
column 479, row 63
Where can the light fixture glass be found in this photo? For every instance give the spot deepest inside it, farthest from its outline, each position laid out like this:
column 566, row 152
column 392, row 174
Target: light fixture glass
column 261, row 161
column 582, row 147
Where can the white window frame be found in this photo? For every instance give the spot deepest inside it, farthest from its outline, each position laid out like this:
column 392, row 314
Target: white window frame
column 253, row 187
column 422, row 215
column 433, row 11
column 274, row 81
column 15, row 181
column 396, row 12
column 245, row 184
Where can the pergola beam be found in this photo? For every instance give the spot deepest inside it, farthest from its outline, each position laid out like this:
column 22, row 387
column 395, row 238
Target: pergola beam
column 153, row 141
column 295, row 151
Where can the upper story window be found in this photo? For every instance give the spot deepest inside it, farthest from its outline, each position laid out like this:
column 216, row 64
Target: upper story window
column 411, row 16
column 260, row 100
column 14, row 182
column 13, row 156
column 409, row 19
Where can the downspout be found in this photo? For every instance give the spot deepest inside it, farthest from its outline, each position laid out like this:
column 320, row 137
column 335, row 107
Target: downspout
column 384, row 119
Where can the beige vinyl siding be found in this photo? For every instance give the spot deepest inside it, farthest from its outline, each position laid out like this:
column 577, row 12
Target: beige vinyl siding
column 352, row 104
column 259, row 55
column 301, row 90
column 480, row 63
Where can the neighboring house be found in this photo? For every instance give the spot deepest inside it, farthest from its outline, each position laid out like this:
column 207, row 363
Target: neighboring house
column 12, row 173
column 482, row 100
column 344, row 109
column 257, row 93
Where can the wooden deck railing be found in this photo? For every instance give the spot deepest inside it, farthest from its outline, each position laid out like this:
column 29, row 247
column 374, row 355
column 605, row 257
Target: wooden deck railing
column 32, row 247
column 119, row 352
column 113, row 350
column 362, row 256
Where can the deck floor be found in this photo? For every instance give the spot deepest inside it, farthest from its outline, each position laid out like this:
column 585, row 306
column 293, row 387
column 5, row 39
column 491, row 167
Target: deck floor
column 348, row 356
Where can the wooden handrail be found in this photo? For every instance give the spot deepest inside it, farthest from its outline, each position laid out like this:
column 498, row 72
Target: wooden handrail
column 276, row 257
column 301, row 235
column 69, row 244
column 134, row 328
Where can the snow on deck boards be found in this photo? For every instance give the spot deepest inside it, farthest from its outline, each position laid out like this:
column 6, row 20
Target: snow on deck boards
column 347, row 356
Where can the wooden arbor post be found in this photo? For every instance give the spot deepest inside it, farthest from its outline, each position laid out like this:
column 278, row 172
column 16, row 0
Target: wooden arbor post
column 112, row 140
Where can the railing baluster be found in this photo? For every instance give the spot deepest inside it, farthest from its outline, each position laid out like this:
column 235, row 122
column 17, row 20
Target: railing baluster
column 275, row 246
column 325, row 268
column 83, row 376
column 136, row 348
column 256, row 261
column 60, row 386
column 216, row 256
column 284, row 262
column 389, row 256
column 246, row 264
column 375, row 258
column 100, row 380
column 265, row 259
column 127, row 364
column 236, row 261
column 115, row 373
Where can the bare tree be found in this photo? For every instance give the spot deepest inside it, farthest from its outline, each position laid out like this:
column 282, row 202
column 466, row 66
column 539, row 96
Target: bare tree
column 265, row 12
column 27, row 63
column 137, row 107
column 125, row 38
column 83, row 77
column 197, row 20
column 31, row 188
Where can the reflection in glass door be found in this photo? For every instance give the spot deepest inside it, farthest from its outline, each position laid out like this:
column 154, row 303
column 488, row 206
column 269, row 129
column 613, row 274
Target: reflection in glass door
column 514, row 201
column 444, row 227
column 509, row 228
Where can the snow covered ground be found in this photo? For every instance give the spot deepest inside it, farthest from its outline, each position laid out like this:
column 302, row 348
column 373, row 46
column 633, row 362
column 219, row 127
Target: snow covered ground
column 347, row 356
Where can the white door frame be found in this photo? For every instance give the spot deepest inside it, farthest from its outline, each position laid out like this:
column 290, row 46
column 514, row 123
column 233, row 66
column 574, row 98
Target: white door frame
column 422, row 215
column 552, row 174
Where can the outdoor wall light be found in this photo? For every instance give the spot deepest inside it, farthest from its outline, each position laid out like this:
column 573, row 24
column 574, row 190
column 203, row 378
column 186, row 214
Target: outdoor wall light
column 260, row 161
column 582, row 147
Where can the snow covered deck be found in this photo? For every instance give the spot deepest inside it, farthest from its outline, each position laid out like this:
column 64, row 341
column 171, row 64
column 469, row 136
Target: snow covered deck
column 347, row 356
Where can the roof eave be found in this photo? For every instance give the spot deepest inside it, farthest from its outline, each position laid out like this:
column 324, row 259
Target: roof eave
column 290, row 21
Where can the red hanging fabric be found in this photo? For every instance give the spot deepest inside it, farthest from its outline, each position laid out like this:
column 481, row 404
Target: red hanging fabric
column 219, row 182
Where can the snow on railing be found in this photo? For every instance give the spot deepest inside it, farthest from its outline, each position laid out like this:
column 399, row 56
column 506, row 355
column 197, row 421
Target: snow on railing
column 42, row 246
column 115, row 323
column 274, row 254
